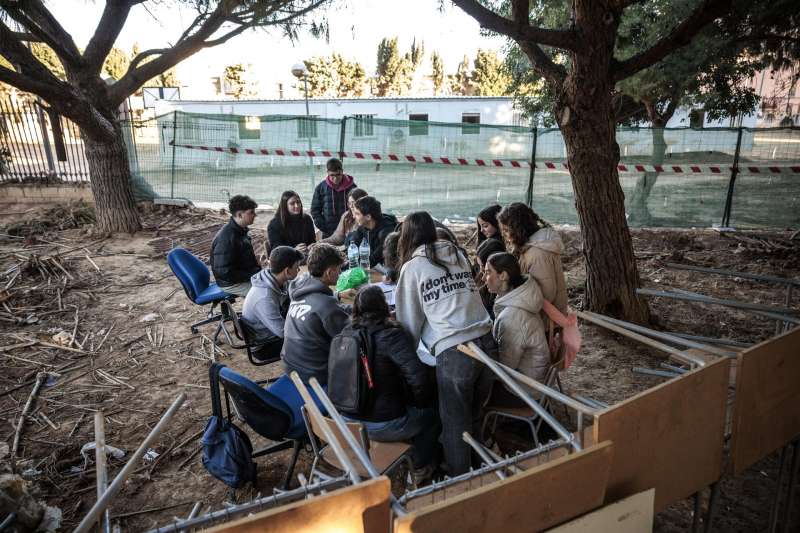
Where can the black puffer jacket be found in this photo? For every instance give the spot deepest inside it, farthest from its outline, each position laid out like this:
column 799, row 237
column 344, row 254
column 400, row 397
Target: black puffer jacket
column 374, row 236
column 328, row 206
column 232, row 257
column 400, row 378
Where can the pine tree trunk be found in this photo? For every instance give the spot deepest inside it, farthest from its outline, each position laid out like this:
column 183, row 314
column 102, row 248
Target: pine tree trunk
column 111, row 183
column 586, row 117
column 637, row 205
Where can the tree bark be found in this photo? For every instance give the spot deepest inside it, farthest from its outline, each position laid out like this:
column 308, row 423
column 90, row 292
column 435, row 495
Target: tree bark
column 111, row 183
column 587, row 118
column 638, row 212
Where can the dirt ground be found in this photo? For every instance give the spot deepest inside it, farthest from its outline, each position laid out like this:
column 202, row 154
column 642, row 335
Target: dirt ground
column 125, row 322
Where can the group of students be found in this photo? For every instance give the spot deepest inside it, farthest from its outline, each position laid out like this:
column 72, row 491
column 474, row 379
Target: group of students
column 425, row 390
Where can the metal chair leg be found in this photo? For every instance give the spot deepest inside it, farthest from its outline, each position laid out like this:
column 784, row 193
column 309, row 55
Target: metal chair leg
column 773, row 514
column 288, row 476
column 788, row 506
column 696, row 513
column 713, row 500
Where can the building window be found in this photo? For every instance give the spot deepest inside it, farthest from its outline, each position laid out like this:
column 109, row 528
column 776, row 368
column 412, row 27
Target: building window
column 188, row 128
column 280, row 91
column 249, row 128
column 419, row 124
column 470, row 123
column 363, row 126
column 216, row 84
column 696, row 118
column 307, row 127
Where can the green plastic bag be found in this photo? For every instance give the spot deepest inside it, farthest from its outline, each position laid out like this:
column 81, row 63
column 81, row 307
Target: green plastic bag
column 350, row 279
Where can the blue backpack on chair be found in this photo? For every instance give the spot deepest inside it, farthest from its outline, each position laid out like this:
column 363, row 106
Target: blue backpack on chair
column 227, row 451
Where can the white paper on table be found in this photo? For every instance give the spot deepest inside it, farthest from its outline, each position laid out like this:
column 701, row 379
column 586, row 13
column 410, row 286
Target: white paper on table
column 388, row 291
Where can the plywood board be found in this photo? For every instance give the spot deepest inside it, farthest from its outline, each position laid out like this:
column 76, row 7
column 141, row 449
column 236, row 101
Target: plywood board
column 363, row 507
column 533, row 500
column 766, row 411
column 669, row 437
column 633, row 514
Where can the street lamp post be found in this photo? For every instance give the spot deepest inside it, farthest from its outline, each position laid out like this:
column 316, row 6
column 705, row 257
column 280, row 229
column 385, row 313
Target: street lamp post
column 299, row 71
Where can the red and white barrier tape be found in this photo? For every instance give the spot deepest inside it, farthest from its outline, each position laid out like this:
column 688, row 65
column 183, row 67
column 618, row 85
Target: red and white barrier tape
column 460, row 161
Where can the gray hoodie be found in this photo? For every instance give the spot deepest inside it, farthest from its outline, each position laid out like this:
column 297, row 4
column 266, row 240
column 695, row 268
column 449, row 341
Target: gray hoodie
column 314, row 318
column 519, row 331
column 262, row 306
column 440, row 308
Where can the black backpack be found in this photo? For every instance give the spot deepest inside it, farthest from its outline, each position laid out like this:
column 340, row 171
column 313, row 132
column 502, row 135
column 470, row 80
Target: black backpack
column 350, row 379
column 227, row 451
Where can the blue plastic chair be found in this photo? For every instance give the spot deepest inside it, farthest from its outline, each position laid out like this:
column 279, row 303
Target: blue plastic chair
column 272, row 412
column 195, row 279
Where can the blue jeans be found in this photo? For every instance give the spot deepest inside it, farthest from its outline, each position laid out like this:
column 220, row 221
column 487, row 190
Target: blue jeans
column 464, row 386
column 420, row 426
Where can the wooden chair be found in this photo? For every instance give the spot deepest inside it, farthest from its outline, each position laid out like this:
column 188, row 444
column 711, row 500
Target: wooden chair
column 385, row 456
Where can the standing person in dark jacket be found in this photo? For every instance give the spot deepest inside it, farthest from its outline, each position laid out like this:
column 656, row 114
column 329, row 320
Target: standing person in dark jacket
column 401, row 406
column 330, row 198
column 290, row 226
column 233, row 260
column 373, row 225
column 315, row 316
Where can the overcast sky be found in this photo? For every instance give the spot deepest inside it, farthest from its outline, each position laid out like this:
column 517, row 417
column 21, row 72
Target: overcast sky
column 356, row 28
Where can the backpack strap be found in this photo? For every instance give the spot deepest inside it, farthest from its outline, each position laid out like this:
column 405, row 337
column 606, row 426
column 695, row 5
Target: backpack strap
column 213, row 382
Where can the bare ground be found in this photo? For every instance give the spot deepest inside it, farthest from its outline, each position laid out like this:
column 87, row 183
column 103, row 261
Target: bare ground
column 151, row 362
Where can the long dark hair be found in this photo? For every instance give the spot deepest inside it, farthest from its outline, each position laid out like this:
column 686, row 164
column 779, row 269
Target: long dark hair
column 505, row 262
column 370, row 307
column 418, row 229
column 522, row 222
column 488, row 214
column 390, row 258
column 356, row 194
column 291, row 225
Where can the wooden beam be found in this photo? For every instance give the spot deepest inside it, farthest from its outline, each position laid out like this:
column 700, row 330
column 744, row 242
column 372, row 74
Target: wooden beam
column 633, row 514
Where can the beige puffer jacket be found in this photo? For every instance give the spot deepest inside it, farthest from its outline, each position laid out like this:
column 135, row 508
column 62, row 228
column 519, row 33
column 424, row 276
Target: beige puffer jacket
column 519, row 331
column 541, row 258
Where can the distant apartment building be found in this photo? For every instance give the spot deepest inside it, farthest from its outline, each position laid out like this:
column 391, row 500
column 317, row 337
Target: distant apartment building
column 780, row 96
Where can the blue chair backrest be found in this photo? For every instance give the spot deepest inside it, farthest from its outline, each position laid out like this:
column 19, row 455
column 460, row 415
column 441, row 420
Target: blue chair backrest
column 190, row 271
column 268, row 415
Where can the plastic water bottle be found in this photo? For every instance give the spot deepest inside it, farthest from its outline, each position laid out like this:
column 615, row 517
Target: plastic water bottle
column 363, row 254
column 352, row 255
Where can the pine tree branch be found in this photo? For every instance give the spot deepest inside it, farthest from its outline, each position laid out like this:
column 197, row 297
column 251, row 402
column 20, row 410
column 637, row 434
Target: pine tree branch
column 38, row 20
column 680, row 36
column 114, row 16
column 542, row 64
column 518, row 29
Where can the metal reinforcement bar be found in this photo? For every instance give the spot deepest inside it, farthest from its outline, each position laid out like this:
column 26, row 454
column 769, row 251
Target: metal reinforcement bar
column 779, row 313
column 481, row 451
column 654, row 372
column 786, row 319
column 665, row 336
column 351, row 439
column 676, row 353
column 712, row 340
column 745, row 275
column 97, row 510
column 524, row 396
column 508, row 462
column 591, row 402
column 258, row 504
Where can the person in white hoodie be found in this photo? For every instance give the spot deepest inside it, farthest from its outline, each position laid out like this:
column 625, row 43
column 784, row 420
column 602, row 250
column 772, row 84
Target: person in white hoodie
column 538, row 248
column 518, row 328
column 438, row 303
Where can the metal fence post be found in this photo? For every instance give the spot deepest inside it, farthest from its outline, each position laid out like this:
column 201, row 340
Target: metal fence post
column 174, row 145
column 726, row 215
column 48, row 151
column 342, row 130
column 532, row 174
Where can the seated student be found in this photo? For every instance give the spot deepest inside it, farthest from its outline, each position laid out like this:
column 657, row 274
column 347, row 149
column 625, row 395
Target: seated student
column 233, row 260
column 488, row 227
column 315, row 315
column 402, row 401
column 267, row 303
column 330, row 198
column 485, row 249
column 538, row 248
column 290, row 226
column 373, row 225
column 518, row 328
column 348, row 222
column 391, row 262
